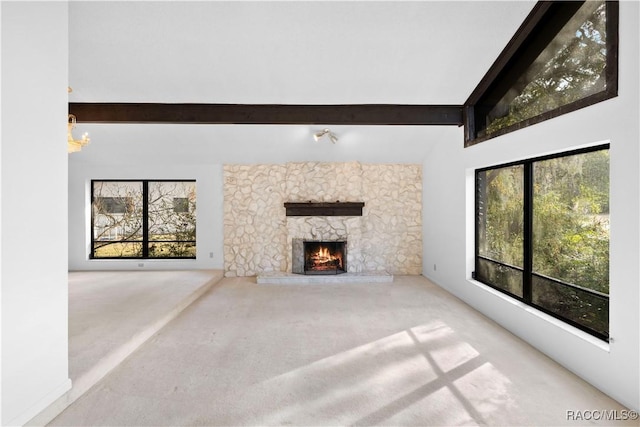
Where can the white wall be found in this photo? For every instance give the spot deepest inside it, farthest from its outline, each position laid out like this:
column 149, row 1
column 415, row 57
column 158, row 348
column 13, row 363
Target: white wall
column 199, row 152
column 34, row 208
column 208, row 214
column 449, row 227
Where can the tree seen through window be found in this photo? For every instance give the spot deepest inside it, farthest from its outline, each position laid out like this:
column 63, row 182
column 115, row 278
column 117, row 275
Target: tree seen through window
column 143, row 219
column 542, row 231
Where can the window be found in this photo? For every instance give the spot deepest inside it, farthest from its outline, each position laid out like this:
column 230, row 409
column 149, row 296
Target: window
column 542, row 235
column 181, row 204
column 143, row 219
column 114, row 205
column 563, row 57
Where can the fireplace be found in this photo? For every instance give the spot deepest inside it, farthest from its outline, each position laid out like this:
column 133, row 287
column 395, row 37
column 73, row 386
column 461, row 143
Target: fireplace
column 319, row 257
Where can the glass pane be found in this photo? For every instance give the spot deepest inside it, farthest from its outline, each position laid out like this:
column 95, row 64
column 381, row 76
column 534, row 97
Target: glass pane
column 115, row 205
column 500, row 214
column 172, row 211
column 506, row 278
column 116, row 215
column 571, row 219
column 103, row 249
column 172, row 249
column 570, row 68
column 585, row 308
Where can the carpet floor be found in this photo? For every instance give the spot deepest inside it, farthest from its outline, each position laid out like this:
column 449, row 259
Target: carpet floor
column 405, row 353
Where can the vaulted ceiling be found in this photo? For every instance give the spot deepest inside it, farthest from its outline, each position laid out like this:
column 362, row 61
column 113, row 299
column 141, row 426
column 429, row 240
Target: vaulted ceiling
column 325, row 52
column 290, row 52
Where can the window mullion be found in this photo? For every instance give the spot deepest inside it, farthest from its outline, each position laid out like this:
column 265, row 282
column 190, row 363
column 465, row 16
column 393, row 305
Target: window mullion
column 145, row 219
column 481, row 189
column 93, row 224
column 527, row 232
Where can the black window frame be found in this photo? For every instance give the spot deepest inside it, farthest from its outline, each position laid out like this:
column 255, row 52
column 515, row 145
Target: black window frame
column 527, row 268
column 540, row 27
column 145, row 222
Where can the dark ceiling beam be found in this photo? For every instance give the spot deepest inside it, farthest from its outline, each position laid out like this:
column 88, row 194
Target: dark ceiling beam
column 254, row 114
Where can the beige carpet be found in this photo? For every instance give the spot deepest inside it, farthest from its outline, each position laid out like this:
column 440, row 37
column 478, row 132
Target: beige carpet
column 112, row 313
column 401, row 353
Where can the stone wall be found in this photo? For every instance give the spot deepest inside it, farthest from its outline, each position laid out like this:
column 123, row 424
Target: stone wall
column 258, row 234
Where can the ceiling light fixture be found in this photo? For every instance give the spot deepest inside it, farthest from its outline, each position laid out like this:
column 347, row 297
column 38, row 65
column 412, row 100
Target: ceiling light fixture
column 325, row 132
column 74, row 145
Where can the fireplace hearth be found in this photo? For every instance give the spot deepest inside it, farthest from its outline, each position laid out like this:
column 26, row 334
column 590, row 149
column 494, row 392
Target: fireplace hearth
column 319, row 257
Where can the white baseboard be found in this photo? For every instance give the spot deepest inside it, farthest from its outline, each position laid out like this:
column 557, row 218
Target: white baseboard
column 43, row 403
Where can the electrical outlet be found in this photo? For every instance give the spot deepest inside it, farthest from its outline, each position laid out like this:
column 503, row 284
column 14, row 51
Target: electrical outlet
column 141, row 264
column 210, row 254
column 434, row 267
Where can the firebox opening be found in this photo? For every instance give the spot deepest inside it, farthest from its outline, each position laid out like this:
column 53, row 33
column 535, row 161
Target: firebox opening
column 325, row 257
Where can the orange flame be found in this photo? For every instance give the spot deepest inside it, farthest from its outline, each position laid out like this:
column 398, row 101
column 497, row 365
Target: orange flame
column 323, row 256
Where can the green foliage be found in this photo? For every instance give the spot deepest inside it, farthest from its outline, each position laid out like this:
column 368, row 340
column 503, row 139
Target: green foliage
column 571, row 220
column 570, row 236
column 504, row 216
column 571, row 68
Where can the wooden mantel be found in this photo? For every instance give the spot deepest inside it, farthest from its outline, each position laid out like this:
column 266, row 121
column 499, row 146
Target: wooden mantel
column 324, row 208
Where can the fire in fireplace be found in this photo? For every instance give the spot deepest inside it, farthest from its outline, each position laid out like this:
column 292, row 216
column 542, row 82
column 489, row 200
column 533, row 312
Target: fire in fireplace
column 325, row 257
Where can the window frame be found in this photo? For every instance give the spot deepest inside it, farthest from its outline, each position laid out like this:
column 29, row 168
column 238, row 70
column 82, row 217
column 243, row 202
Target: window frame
column 527, row 268
column 145, row 222
column 540, row 27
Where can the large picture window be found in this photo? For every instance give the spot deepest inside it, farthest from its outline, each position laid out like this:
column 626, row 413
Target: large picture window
column 563, row 57
column 143, row 219
column 542, row 235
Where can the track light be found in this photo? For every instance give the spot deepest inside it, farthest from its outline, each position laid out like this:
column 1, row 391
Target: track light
column 325, row 132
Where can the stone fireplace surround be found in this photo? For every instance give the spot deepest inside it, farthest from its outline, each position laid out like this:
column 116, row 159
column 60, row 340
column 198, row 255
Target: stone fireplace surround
column 258, row 235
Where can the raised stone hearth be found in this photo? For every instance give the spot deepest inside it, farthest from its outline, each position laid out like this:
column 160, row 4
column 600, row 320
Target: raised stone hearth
column 279, row 278
column 386, row 238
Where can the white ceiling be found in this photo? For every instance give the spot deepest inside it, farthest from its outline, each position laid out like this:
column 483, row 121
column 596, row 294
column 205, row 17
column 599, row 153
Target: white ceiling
column 322, row 52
